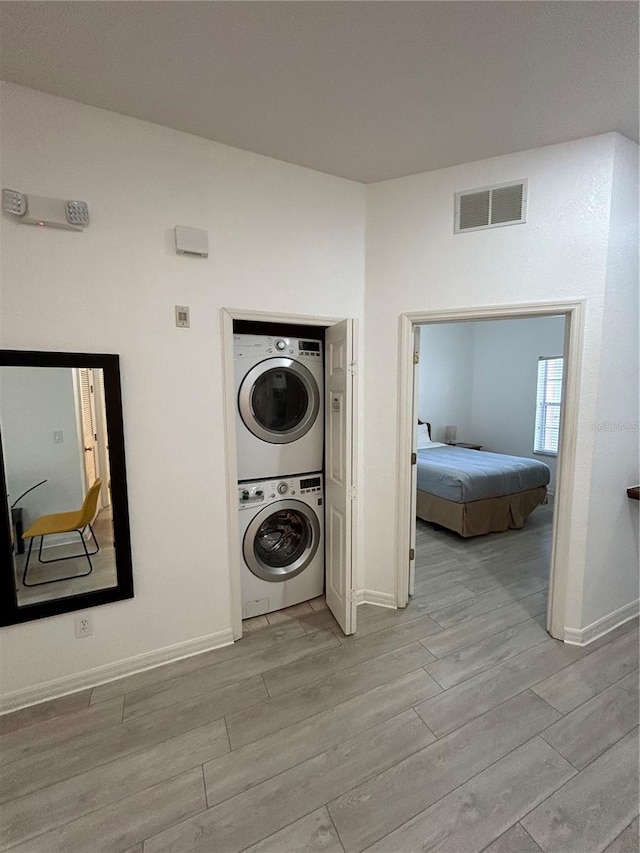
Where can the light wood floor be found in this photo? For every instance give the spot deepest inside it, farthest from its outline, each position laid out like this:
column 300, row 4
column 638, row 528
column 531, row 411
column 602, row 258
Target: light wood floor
column 454, row 725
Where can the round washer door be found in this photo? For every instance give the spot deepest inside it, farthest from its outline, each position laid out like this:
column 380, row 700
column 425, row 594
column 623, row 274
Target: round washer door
column 281, row 540
column 279, row 400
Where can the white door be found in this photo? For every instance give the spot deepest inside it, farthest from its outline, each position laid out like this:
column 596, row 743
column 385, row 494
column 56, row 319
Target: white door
column 103, row 437
column 88, row 422
column 414, row 466
column 338, row 484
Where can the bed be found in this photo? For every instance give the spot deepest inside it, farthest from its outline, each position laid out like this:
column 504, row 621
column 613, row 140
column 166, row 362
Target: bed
column 473, row 491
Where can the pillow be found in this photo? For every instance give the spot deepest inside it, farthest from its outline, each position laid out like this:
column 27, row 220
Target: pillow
column 423, row 437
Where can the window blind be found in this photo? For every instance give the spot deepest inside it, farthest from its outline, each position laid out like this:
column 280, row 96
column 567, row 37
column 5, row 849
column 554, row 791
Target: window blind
column 548, row 402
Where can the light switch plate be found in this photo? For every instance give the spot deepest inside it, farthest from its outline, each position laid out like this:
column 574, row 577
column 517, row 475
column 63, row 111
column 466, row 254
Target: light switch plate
column 182, row 317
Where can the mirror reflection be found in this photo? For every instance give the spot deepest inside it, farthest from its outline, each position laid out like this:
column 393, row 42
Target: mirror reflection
column 56, row 456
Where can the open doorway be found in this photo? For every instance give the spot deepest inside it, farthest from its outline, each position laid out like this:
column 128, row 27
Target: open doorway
column 554, row 531
column 92, row 428
column 489, row 399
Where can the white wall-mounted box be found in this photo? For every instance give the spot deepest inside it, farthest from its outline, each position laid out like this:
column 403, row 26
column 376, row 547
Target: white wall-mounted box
column 192, row 241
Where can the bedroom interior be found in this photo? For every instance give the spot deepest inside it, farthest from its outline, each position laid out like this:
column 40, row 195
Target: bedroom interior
column 474, row 492
column 484, row 503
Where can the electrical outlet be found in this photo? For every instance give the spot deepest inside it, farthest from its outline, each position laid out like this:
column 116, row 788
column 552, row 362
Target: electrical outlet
column 84, row 626
column 57, row 437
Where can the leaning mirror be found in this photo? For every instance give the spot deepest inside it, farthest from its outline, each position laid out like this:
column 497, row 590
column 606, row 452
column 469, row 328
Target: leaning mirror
column 64, row 520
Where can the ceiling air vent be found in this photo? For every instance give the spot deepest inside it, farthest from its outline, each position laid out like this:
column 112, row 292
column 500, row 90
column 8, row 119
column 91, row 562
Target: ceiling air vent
column 491, row 207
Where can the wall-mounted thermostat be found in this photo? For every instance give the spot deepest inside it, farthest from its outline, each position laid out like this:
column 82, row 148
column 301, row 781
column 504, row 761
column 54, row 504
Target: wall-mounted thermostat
column 182, row 316
column 192, row 241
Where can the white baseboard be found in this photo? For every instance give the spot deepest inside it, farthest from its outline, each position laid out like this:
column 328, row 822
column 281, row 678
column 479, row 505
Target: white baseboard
column 381, row 599
column 112, row 671
column 584, row 636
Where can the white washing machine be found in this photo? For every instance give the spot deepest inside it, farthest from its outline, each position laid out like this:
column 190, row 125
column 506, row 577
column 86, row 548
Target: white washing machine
column 280, row 405
column 282, row 542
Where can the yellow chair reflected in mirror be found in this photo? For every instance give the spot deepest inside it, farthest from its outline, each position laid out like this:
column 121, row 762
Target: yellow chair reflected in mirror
column 76, row 521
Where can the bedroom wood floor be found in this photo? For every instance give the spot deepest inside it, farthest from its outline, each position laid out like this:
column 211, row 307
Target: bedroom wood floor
column 454, row 725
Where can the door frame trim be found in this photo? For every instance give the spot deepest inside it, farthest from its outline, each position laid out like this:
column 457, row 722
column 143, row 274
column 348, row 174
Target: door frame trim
column 574, row 313
column 227, row 316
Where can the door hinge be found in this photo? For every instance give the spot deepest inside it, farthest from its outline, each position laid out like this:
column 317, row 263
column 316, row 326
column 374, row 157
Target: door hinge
column 416, row 358
column 414, row 458
column 352, row 493
column 412, row 554
column 353, row 367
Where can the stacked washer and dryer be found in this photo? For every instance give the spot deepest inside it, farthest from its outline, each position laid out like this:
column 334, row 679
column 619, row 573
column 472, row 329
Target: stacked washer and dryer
column 280, row 437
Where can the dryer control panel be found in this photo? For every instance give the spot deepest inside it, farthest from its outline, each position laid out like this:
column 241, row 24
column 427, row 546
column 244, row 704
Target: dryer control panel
column 310, row 348
column 263, row 346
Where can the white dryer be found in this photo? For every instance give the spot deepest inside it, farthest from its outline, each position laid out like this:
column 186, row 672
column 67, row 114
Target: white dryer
column 281, row 542
column 280, row 405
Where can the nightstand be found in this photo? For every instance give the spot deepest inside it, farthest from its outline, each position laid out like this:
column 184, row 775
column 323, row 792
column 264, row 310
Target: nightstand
column 464, row 444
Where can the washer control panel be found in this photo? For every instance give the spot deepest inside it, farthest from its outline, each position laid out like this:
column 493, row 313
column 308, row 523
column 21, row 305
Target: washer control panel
column 282, row 488
column 310, row 484
column 250, row 494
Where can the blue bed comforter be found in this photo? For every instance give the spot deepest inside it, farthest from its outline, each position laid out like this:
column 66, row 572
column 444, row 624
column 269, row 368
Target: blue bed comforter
column 461, row 475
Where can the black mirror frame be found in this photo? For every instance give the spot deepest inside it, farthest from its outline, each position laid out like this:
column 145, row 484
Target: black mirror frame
column 10, row 612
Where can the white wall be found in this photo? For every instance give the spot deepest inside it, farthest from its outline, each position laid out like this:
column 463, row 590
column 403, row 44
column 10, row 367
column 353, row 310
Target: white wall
column 281, row 238
column 612, row 543
column 445, row 389
column 416, row 263
column 504, row 409
column 35, row 403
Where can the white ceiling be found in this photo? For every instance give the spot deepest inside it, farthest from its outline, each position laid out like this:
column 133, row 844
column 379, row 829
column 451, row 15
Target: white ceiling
column 363, row 90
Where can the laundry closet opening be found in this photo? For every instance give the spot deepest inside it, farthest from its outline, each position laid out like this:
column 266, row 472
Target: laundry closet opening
column 289, row 418
column 279, row 382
